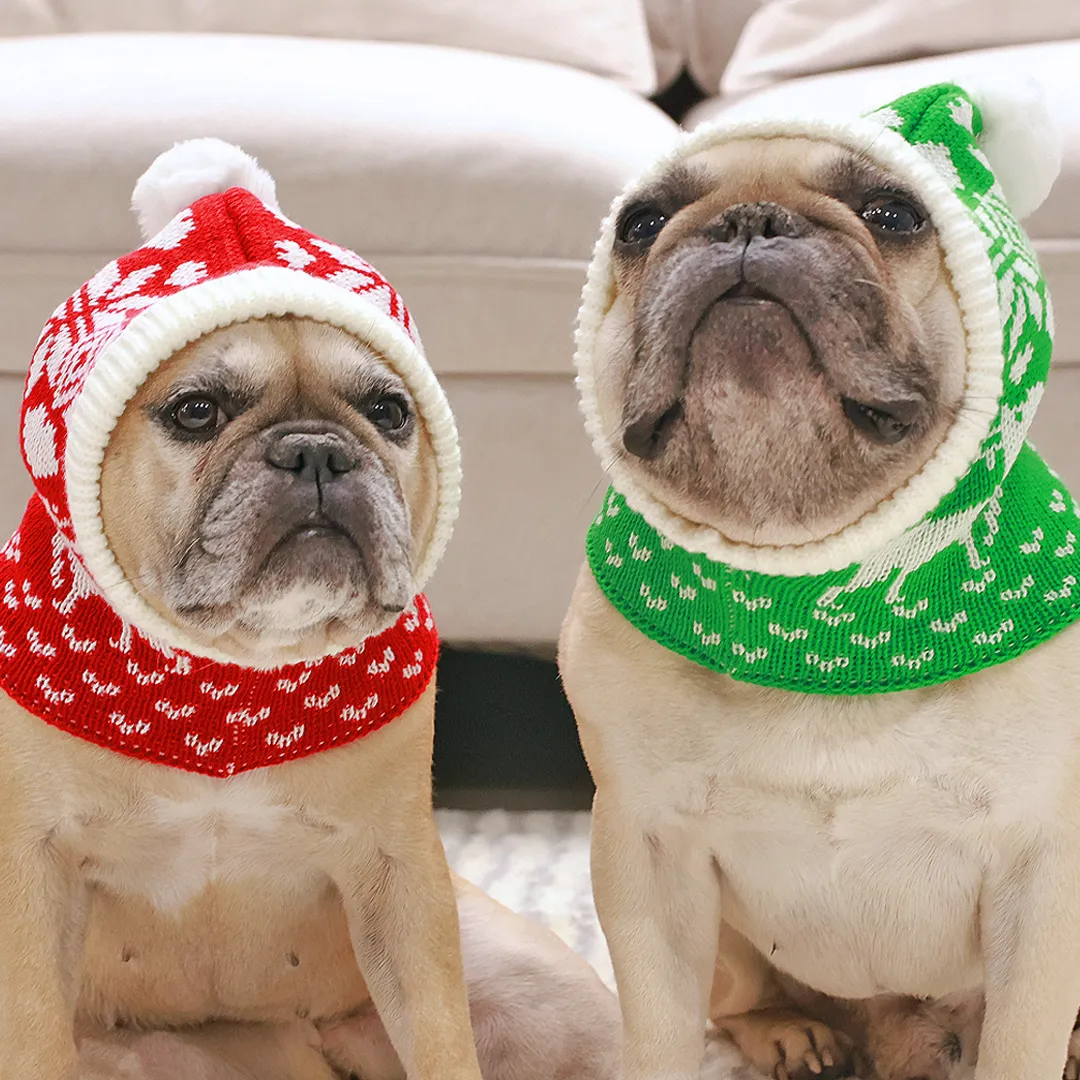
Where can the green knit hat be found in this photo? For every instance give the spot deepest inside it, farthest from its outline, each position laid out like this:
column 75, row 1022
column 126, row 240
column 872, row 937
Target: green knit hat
column 969, row 562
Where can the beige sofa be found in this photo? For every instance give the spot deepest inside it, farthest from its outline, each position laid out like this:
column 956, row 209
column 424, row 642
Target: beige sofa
column 475, row 181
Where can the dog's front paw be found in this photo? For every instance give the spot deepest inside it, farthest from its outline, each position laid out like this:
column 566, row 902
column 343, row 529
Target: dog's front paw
column 787, row 1045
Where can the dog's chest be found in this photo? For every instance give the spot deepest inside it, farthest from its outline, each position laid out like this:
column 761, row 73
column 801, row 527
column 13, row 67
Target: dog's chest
column 852, row 847
column 169, row 848
column 229, row 877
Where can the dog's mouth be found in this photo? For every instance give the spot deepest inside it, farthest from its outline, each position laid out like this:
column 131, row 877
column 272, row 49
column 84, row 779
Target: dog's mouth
column 884, row 422
column 311, row 540
column 313, row 529
column 747, row 293
column 646, row 436
column 311, row 544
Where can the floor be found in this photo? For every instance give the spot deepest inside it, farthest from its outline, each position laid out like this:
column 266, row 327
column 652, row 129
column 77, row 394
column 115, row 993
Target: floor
column 535, row 862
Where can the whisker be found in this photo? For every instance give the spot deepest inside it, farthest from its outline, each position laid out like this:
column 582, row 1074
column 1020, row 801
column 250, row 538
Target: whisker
column 867, row 281
column 591, row 498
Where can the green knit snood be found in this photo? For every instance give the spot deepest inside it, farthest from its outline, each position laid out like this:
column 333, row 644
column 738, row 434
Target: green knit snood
column 989, row 573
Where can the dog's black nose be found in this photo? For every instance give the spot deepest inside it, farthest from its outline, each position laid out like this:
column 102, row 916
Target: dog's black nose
column 318, row 456
column 749, row 221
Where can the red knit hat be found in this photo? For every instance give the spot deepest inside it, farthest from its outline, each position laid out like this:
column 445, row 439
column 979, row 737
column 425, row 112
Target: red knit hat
column 79, row 646
column 218, row 251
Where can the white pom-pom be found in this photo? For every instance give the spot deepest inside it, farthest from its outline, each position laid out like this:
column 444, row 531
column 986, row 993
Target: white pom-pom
column 1020, row 139
column 191, row 170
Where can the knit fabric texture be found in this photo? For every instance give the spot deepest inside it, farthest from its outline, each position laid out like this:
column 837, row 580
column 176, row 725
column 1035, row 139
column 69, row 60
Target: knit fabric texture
column 989, row 573
column 79, row 647
column 68, row 658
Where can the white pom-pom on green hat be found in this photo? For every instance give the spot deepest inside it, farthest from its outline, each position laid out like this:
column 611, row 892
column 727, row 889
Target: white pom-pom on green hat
column 1020, row 139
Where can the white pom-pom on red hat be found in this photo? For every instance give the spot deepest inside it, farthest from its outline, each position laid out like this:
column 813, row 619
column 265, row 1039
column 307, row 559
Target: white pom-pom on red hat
column 190, row 170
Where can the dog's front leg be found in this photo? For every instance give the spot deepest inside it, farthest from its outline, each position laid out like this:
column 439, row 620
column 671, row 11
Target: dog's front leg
column 402, row 915
column 1030, row 926
column 658, row 897
column 42, row 921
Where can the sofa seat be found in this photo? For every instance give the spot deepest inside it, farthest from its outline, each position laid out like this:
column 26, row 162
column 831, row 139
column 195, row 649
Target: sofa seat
column 474, row 182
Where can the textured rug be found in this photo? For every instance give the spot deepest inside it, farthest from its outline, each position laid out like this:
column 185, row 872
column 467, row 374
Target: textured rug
column 535, row 862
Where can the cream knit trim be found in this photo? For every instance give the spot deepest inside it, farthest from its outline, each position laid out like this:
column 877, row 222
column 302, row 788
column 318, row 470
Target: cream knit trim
column 171, row 323
column 976, row 289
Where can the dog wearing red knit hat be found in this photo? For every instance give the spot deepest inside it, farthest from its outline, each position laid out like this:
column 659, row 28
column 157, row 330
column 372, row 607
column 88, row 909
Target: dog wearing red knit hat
column 218, row 857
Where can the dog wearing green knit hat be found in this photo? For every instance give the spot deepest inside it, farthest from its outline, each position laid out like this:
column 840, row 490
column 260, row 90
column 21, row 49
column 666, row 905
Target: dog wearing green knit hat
column 822, row 650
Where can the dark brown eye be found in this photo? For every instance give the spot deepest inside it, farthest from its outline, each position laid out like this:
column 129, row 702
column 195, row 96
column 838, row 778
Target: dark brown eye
column 890, row 214
column 389, row 413
column 641, row 225
column 197, row 415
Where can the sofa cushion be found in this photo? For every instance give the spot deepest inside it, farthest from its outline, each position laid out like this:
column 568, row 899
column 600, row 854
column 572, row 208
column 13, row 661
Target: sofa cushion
column 668, row 35
column 477, row 182
column 786, row 39
column 608, row 37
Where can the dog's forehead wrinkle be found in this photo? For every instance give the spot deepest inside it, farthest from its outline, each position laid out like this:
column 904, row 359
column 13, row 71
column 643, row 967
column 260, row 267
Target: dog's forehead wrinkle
column 240, row 353
column 801, row 173
column 330, row 350
column 371, row 382
column 343, row 366
column 751, row 167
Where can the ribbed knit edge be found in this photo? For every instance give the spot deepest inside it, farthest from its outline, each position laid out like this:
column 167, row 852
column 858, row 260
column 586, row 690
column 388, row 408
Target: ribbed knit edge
column 172, row 322
column 976, row 289
column 660, row 631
